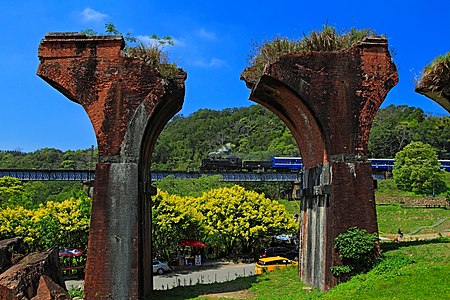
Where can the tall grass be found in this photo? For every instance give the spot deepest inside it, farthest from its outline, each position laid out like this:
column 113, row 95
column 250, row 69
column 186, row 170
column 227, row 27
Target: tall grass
column 436, row 76
column 328, row 39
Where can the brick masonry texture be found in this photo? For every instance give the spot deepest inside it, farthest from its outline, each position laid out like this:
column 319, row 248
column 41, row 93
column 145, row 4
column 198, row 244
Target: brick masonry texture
column 22, row 280
column 128, row 103
column 328, row 100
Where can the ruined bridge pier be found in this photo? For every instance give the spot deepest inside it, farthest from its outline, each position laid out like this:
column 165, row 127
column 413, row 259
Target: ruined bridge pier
column 328, row 100
column 128, row 103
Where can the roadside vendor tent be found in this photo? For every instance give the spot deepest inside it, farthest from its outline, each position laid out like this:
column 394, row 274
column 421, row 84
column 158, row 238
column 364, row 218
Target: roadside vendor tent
column 191, row 243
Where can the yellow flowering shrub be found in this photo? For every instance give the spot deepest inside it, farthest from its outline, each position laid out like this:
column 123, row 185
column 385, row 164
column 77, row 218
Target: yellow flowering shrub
column 236, row 217
column 62, row 224
column 229, row 217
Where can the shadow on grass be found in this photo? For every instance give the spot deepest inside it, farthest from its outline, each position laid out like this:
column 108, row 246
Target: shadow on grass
column 193, row 291
column 386, row 247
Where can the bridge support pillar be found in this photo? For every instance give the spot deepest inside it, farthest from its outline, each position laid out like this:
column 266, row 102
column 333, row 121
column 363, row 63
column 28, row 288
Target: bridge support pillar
column 328, row 100
column 128, row 103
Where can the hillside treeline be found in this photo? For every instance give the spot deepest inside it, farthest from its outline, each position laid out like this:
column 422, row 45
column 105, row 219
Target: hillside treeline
column 256, row 133
column 252, row 133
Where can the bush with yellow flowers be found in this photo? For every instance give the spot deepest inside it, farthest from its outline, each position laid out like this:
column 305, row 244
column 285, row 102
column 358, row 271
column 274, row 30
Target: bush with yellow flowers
column 62, row 224
column 232, row 219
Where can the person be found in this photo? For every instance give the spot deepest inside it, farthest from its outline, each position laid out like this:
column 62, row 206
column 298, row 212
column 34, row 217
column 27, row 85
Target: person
column 400, row 234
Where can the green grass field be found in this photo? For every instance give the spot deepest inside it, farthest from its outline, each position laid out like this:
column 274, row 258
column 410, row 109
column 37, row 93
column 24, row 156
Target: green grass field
column 393, row 216
column 410, row 270
column 409, row 220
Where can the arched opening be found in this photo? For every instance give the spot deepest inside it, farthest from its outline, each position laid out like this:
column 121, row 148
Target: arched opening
column 282, row 101
column 328, row 111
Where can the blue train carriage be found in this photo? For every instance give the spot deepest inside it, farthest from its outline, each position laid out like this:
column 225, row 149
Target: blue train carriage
column 382, row 164
column 281, row 164
column 387, row 164
column 445, row 164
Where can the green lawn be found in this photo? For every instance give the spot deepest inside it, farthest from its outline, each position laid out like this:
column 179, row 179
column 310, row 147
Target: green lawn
column 392, row 217
column 292, row 206
column 409, row 270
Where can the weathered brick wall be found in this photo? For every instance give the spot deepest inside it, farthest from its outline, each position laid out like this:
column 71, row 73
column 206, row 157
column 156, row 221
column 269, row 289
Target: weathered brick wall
column 128, row 103
column 22, row 280
column 329, row 100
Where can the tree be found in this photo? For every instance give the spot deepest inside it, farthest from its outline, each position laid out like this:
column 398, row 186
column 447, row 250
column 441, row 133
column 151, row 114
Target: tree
column 11, row 192
column 416, row 169
column 237, row 218
column 62, row 224
column 173, row 218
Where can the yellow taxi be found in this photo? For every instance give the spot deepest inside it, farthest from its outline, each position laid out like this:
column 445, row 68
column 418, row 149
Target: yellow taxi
column 268, row 264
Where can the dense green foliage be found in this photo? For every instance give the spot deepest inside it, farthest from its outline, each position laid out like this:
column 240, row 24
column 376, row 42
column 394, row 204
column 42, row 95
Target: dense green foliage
column 394, row 127
column 358, row 252
column 49, row 158
column 31, row 194
column 417, row 169
column 252, row 133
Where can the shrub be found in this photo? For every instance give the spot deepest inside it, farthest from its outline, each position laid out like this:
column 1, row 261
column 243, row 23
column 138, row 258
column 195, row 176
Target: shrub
column 152, row 53
column 358, row 251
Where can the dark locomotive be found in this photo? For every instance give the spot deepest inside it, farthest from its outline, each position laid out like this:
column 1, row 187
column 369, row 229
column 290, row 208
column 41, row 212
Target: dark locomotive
column 232, row 163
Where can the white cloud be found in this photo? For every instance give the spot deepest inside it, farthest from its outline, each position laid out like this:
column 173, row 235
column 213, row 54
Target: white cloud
column 88, row 14
column 212, row 63
column 207, row 35
column 148, row 40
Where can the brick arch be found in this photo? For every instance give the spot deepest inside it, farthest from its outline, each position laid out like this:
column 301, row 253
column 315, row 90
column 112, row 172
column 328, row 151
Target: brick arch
column 128, row 103
column 306, row 130
column 328, row 100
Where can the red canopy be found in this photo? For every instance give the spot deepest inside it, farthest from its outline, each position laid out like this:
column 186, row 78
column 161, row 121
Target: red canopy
column 191, row 243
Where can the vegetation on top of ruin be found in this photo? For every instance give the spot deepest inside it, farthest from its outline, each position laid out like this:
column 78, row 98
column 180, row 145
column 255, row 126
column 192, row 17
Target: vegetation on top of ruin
column 436, row 76
column 152, row 52
column 326, row 40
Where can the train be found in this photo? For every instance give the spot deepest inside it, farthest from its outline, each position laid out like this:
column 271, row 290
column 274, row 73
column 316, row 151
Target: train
column 232, row 163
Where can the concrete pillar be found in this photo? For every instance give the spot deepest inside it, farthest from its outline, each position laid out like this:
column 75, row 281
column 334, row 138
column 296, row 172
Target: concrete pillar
column 328, row 100
column 128, row 103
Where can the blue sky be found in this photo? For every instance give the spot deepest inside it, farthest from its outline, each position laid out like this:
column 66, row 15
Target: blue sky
column 212, row 42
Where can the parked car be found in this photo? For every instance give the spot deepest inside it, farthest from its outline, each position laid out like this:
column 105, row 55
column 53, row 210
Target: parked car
column 159, row 267
column 269, row 264
column 280, row 251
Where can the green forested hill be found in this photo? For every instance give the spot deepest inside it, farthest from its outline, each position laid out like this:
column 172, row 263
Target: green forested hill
column 256, row 133
column 251, row 133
